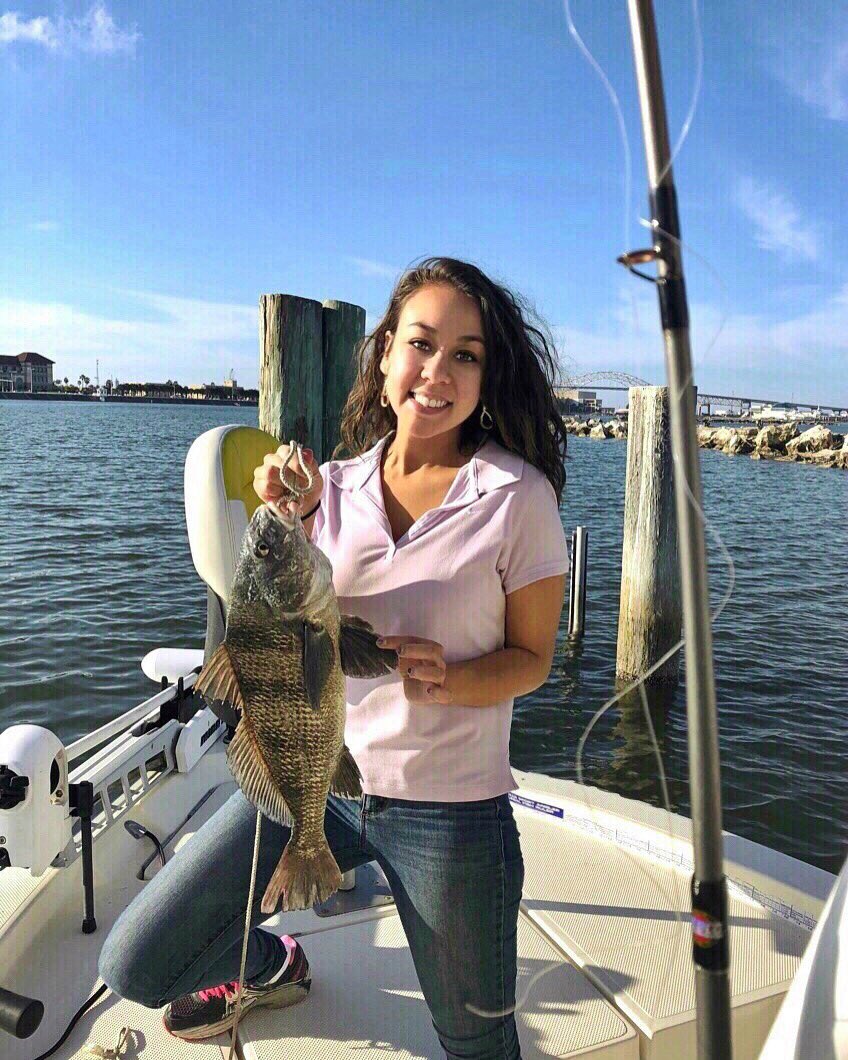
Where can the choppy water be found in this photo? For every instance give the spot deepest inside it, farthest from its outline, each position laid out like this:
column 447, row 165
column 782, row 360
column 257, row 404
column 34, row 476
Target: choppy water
column 96, row 571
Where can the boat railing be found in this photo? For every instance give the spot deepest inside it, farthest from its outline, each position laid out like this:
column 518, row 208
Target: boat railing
column 136, row 714
column 135, row 755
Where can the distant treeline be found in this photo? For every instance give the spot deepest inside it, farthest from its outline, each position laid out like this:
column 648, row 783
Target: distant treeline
column 119, row 399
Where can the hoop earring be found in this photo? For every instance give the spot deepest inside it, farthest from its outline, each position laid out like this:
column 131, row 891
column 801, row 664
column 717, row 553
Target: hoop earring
column 384, row 398
column 486, row 426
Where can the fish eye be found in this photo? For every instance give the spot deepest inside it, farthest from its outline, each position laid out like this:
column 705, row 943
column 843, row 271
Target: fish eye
column 262, row 549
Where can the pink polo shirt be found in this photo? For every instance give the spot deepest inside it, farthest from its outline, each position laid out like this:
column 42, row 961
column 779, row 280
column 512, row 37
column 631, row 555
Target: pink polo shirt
column 446, row 579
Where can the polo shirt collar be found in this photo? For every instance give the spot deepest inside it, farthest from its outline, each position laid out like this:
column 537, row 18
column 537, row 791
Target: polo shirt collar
column 489, row 468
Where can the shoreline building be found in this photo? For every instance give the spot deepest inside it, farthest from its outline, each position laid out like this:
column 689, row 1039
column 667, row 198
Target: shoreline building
column 28, row 372
column 579, row 400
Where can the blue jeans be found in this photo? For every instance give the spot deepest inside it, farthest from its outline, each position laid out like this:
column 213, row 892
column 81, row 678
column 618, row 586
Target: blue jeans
column 455, row 870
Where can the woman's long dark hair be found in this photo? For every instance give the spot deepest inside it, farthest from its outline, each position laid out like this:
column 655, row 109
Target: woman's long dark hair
column 518, row 379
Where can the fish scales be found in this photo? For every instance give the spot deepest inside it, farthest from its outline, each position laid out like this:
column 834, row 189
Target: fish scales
column 279, row 676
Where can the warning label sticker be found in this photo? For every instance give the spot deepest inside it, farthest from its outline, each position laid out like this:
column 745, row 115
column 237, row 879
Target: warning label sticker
column 533, row 804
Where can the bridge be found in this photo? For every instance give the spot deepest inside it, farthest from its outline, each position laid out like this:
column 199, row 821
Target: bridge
column 736, row 407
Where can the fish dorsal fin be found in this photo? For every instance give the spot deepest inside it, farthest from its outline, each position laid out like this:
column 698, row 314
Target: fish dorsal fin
column 318, row 658
column 248, row 766
column 360, row 656
column 347, row 780
column 218, row 684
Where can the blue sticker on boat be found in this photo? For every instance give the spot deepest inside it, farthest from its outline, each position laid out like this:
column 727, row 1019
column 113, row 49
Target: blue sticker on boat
column 539, row 807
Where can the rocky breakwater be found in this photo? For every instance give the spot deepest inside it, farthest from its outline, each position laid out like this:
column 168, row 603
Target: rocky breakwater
column 779, row 441
column 596, row 429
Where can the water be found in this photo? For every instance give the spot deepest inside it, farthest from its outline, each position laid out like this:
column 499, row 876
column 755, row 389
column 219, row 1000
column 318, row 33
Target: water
column 96, row 571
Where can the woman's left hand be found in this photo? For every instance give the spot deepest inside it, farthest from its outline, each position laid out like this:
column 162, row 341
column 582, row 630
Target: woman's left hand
column 422, row 663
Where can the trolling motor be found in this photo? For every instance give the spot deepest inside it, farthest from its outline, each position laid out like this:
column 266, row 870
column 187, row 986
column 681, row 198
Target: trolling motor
column 36, row 807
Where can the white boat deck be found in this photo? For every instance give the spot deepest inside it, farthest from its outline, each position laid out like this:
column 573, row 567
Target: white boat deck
column 599, row 904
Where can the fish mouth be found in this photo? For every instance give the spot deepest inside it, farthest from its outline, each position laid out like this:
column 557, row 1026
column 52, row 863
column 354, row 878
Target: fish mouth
column 286, row 518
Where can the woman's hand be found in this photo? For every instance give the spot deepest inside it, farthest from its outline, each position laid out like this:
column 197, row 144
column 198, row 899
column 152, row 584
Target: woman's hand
column 422, row 663
column 266, row 480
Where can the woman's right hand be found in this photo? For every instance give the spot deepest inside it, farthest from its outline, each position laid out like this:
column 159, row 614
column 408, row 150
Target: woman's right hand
column 266, row 479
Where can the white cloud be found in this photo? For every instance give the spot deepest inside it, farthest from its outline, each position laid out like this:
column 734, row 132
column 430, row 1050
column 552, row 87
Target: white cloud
column 804, row 355
column 44, row 226
column 778, row 223
column 95, row 32
column 367, row 267
column 187, row 339
column 819, row 76
column 36, row 30
column 806, row 49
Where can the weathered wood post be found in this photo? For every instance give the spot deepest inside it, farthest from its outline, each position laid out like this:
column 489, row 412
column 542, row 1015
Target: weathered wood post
column 343, row 327
column 306, row 367
column 291, row 374
column 650, row 618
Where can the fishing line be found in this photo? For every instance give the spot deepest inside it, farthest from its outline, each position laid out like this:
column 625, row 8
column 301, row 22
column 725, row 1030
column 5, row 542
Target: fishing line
column 297, row 491
column 696, row 91
column 699, row 361
column 622, row 128
column 639, row 682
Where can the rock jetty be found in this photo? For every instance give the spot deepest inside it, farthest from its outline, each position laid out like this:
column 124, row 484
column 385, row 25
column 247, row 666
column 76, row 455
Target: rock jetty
column 777, row 441
column 595, row 428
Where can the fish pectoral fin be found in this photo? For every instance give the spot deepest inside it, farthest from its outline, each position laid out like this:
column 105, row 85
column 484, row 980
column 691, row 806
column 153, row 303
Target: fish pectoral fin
column 218, row 684
column 248, row 766
column 360, row 656
column 318, row 658
column 347, row 781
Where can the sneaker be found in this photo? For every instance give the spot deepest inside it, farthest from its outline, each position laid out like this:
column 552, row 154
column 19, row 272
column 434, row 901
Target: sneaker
column 207, row 1013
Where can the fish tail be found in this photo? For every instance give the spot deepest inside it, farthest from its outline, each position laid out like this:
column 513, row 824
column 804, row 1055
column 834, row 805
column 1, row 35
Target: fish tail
column 302, row 877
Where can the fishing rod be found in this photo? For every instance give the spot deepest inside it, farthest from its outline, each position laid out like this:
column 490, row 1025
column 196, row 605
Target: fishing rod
column 710, row 942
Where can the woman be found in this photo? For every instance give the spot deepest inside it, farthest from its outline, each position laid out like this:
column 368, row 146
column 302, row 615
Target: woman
column 445, row 535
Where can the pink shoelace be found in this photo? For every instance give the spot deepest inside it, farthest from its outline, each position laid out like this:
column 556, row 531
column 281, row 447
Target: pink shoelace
column 225, row 990
column 229, row 989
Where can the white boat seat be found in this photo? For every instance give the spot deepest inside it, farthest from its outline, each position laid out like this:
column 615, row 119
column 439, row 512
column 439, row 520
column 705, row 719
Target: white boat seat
column 171, row 663
column 220, row 499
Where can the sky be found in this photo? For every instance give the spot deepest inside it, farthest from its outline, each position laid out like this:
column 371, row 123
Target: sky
column 164, row 165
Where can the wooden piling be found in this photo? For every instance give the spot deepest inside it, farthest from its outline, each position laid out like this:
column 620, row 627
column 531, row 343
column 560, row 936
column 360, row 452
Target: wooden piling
column 306, row 367
column 650, row 617
column 343, row 327
column 291, row 373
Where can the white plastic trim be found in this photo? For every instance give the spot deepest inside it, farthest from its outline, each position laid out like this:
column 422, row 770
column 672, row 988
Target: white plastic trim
column 171, row 663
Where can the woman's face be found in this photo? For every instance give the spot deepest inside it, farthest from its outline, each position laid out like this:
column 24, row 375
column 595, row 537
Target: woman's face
column 437, row 349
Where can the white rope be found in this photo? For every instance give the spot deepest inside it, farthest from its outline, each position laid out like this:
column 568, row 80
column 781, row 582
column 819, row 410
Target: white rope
column 246, row 932
column 292, row 487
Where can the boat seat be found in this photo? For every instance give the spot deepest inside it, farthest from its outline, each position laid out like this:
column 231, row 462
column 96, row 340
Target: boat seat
column 219, row 502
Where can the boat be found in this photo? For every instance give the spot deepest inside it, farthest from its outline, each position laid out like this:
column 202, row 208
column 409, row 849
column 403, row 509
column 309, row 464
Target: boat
column 604, row 909
column 616, row 960
column 771, row 414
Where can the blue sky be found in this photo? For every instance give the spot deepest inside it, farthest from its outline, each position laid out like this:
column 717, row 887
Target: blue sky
column 166, row 164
